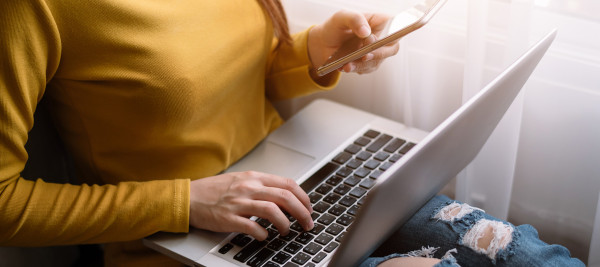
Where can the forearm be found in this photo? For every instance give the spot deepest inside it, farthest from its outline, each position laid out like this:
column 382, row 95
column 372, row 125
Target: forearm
column 42, row 214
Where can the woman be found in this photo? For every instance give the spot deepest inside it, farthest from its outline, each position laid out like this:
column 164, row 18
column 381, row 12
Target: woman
column 149, row 97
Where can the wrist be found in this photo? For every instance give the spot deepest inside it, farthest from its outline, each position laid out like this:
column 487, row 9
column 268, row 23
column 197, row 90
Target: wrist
column 315, row 54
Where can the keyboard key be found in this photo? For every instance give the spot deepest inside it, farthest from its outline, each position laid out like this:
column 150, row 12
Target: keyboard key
column 319, row 176
column 362, row 141
column 329, row 248
column 340, row 238
column 323, row 239
column 319, row 257
column 353, row 149
column 352, row 180
column 270, row 264
column 358, row 192
column 304, row 238
column 342, row 157
column 337, row 210
column 263, row 222
column 342, row 189
column 312, row 248
column 344, row 172
column 372, row 164
column 395, row 157
column 276, row 244
column 407, row 147
column 362, row 172
column 292, row 247
column 371, row 134
column 241, row 240
column 332, row 198
column 381, row 156
column 317, row 229
column 290, row 236
column 314, row 215
column 361, row 201
column 363, row 155
column 385, row 166
column 326, row 219
column 249, row 250
column 272, row 233
column 324, row 189
column 260, row 257
column 345, row 219
column 281, row 257
column 314, row 197
column 320, row 207
column 375, row 174
column 353, row 210
column 226, row 248
column 297, row 227
column 334, row 229
column 347, row 201
column 354, row 164
column 379, row 143
column 367, row 183
column 335, row 180
column 394, row 145
column 301, row 258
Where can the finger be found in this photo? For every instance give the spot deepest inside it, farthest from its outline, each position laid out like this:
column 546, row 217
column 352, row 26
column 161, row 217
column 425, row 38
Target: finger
column 285, row 199
column 266, row 210
column 247, row 226
column 367, row 67
column 354, row 21
column 386, row 51
column 377, row 21
column 287, row 184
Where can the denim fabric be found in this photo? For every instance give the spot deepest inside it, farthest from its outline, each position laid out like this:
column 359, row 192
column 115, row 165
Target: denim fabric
column 525, row 249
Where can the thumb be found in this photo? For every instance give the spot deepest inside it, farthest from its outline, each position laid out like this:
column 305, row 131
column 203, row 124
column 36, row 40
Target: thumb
column 360, row 26
column 356, row 22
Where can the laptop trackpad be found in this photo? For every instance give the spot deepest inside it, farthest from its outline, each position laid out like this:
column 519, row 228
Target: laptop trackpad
column 269, row 157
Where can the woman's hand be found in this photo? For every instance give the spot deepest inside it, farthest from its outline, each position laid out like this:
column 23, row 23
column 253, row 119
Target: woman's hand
column 225, row 202
column 325, row 39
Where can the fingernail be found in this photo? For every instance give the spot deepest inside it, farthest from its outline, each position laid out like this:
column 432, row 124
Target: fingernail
column 310, row 224
column 352, row 67
column 368, row 57
column 364, row 31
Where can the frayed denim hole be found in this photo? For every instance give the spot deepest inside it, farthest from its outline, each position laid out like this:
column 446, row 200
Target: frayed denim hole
column 438, row 209
column 425, row 252
column 454, row 211
column 510, row 249
column 498, row 243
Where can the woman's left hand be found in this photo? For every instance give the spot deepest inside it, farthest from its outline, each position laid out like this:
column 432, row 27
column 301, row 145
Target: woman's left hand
column 325, row 39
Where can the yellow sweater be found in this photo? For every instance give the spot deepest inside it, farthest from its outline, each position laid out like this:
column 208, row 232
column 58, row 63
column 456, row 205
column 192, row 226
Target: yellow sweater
column 146, row 95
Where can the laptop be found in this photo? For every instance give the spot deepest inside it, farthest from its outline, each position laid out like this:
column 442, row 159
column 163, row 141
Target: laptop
column 365, row 175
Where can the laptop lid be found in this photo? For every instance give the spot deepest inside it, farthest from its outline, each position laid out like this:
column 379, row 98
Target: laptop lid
column 422, row 172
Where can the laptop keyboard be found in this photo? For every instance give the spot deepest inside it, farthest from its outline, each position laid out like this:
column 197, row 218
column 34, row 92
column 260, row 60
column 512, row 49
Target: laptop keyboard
column 336, row 192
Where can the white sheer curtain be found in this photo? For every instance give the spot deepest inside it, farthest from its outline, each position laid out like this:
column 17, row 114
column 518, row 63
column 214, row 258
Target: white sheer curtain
column 541, row 165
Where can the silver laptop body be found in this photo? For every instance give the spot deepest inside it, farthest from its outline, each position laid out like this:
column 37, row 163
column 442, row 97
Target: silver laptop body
column 321, row 131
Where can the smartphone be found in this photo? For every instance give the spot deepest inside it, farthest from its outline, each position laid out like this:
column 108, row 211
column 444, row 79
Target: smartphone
column 396, row 27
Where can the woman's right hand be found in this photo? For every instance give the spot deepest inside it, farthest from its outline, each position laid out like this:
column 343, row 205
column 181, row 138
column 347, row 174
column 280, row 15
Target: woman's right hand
column 224, row 203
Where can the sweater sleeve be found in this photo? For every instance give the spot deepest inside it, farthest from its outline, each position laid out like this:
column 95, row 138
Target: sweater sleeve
column 36, row 213
column 289, row 72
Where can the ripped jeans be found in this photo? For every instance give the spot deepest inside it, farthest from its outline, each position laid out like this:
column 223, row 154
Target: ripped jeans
column 454, row 232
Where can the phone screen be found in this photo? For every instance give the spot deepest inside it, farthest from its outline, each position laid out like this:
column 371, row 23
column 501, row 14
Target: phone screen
column 396, row 27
